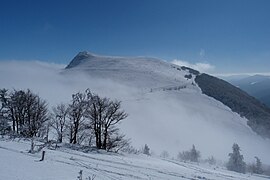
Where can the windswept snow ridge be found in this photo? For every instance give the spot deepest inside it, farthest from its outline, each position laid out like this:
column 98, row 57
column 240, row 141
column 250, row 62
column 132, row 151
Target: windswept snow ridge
column 140, row 72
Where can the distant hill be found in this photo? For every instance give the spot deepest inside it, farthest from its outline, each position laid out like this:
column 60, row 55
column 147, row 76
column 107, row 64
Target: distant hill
column 239, row 101
column 257, row 86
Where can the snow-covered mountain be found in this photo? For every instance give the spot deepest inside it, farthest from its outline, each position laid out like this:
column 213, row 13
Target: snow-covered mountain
column 170, row 108
column 140, row 72
column 167, row 109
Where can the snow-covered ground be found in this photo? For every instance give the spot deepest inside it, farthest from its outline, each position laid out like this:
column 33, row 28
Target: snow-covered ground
column 63, row 163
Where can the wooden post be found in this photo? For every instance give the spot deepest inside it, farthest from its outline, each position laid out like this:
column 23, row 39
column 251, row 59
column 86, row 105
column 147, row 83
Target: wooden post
column 80, row 175
column 43, row 155
column 32, row 146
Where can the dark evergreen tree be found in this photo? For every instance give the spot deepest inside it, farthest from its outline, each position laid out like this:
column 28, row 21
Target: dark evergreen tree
column 146, row 150
column 236, row 161
column 194, row 154
column 256, row 167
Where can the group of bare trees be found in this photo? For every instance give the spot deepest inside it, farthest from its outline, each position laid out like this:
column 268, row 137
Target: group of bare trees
column 90, row 116
column 25, row 111
column 86, row 118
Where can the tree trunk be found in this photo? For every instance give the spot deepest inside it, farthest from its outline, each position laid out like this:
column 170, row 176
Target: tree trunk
column 97, row 145
column 71, row 135
column 60, row 139
column 32, row 146
column 13, row 125
column 74, row 139
column 105, row 139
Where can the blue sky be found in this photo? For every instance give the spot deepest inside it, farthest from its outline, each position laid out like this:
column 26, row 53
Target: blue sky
column 232, row 35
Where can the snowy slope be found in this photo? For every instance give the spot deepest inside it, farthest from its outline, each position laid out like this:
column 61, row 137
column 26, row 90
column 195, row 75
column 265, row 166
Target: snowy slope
column 63, row 163
column 166, row 110
column 135, row 71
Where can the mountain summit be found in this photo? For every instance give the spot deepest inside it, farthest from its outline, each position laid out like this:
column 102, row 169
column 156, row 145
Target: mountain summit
column 142, row 72
column 79, row 58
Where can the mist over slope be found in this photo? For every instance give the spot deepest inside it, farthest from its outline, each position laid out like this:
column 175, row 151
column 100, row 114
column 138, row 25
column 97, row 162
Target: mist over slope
column 166, row 108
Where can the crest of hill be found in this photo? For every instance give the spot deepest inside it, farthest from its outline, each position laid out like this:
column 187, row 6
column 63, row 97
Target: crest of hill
column 145, row 72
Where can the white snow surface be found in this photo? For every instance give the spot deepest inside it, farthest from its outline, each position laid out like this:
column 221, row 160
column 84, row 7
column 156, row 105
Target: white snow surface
column 135, row 71
column 63, row 163
column 166, row 110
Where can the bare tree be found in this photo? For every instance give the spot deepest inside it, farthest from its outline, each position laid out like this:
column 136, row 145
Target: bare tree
column 60, row 116
column 96, row 107
column 27, row 111
column 117, row 141
column 4, row 124
column 76, row 115
column 3, row 99
column 113, row 116
column 17, row 109
column 37, row 114
column 45, row 130
column 103, row 114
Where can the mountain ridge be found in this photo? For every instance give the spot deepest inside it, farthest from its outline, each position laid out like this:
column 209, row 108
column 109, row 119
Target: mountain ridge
column 169, row 100
column 135, row 71
column 154, row 74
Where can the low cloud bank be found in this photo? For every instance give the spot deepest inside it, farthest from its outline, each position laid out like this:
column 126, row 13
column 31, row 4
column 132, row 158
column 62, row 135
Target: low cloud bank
column 165, row 120
column 202, row 67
